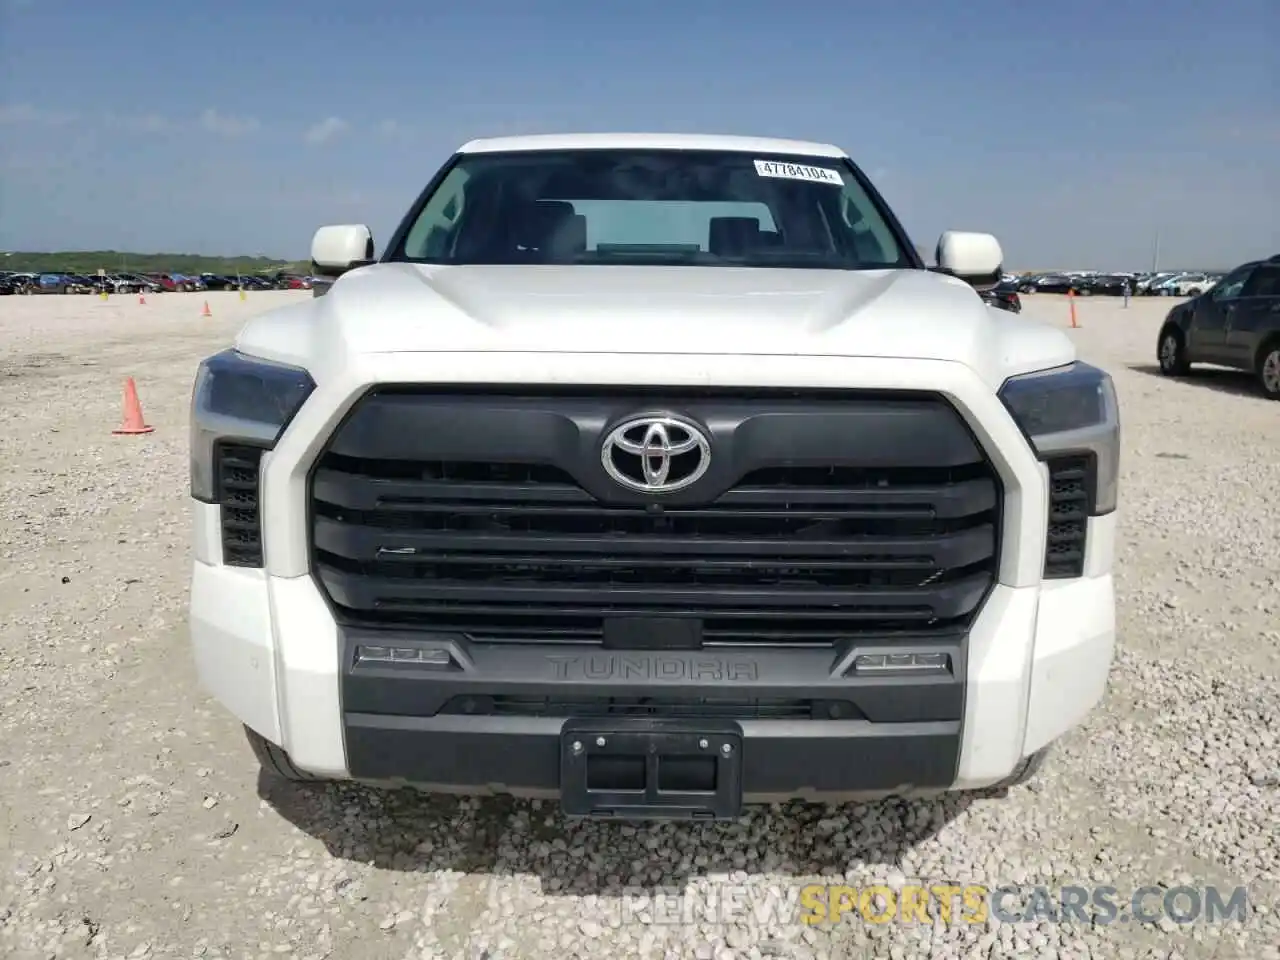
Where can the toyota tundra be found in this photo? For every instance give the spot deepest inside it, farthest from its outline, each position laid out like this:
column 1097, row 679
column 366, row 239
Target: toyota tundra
column 657, row 475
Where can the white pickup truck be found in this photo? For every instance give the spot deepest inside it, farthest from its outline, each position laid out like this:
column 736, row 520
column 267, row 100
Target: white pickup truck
column 657, row 475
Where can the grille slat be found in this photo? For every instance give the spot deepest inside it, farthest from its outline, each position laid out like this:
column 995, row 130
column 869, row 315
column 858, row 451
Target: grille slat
column 809, row 553
column 875, row 498
column 370, row 544
column 946, row 603
column 506, row 705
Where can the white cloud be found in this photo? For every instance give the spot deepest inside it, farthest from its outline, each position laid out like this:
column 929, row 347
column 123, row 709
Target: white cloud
column 326, row 130
column 26, row 113
column 392, row 128
column 1263, row 131
column 18, row 113
column 227, row 126
column 140, row 123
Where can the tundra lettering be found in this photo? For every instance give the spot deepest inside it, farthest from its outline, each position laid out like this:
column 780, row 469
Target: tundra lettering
column 638, row 666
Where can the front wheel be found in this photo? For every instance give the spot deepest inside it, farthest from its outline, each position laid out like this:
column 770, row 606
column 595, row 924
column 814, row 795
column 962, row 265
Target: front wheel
column 275, row 760
column 1172, row 353
column 1269, row 370
column 1026, row 770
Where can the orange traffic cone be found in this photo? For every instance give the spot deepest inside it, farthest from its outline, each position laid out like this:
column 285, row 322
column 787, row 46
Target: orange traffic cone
column 207, row 312
column 133, row 422
column 142, row 298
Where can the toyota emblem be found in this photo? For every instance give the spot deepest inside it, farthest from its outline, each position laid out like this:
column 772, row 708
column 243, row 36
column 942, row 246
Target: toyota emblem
column 659, row 454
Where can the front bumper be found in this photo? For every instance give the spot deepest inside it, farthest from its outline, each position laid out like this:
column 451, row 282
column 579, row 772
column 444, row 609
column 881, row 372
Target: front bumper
column 268, row 649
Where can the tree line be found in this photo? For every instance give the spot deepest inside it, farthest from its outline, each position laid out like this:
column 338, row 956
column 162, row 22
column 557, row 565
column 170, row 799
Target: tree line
column 117, row 261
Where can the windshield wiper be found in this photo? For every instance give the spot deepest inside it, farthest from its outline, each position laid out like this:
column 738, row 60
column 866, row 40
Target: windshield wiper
column 643, row 257
column 802, row 258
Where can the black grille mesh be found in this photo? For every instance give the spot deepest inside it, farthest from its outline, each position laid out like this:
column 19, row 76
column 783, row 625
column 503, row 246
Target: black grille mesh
column 1068, row 517
column 238, row 473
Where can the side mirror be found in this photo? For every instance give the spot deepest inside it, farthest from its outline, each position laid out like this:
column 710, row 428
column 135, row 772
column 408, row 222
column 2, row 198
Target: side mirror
column 975, row 258
column 337, row 249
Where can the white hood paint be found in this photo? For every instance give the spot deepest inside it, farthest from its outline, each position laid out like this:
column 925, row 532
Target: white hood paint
column 408, row 308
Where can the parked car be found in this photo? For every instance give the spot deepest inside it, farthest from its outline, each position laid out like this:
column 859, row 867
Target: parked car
column 1235, row 324
column 1054, row 283
column 110, row 283
column 214, row 281
column 1148, row 284
column 165, row 280
column 1004, row 295
column 136, row 283
column 1103, row 285
column 81, row 283
column 50, row 283
column 1183, row 285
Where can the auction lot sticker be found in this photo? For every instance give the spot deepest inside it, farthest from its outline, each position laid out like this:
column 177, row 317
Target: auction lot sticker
column 798, row 171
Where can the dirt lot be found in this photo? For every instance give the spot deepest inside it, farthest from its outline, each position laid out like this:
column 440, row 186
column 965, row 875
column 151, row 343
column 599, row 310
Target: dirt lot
column 133, row 822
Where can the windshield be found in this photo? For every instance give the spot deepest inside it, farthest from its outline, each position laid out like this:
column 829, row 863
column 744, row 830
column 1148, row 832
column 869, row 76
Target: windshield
column 695, row 208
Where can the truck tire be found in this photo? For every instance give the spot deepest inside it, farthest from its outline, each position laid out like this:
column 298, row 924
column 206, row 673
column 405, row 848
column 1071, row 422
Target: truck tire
column 1024, row 771
column 1171, row 351
column 1268, row 369
column 274, row 760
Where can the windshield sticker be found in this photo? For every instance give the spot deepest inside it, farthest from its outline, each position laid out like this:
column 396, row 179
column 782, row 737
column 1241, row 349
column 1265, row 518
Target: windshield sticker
column 798, row 171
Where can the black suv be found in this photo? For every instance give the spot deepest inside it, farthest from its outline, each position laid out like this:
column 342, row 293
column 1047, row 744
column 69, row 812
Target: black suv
column 1004, row 295
column 1235, row 324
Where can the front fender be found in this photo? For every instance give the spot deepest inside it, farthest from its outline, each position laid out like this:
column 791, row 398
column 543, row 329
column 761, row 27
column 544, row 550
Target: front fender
column 1179, row 317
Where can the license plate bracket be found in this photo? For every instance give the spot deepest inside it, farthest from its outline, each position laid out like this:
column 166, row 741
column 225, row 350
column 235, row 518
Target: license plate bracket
column 646, row 769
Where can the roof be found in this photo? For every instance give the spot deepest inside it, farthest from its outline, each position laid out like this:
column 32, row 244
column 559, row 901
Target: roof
column 651, row 141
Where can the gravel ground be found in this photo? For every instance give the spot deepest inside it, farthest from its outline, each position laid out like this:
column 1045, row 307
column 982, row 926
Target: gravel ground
column 133, row 822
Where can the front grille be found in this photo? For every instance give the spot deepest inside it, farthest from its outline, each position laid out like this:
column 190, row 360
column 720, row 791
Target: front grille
column 1068, row 517
column 506, row 551
column 237, row 493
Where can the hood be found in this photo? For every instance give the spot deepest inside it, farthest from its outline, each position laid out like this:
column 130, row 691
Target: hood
column 405, row 308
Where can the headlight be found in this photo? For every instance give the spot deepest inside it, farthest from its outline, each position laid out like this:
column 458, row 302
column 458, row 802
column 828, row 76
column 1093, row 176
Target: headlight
column 1071, row 410
column 240, row 398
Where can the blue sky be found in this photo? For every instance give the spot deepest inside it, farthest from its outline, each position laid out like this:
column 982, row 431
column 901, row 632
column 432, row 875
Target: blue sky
column 1073, row 131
